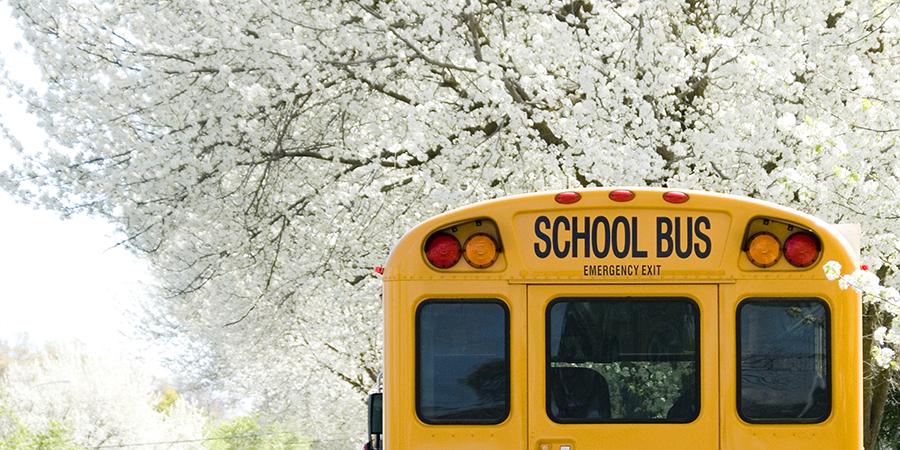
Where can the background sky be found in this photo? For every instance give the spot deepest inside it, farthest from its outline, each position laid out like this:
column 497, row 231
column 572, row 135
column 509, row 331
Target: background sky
column 61, row 280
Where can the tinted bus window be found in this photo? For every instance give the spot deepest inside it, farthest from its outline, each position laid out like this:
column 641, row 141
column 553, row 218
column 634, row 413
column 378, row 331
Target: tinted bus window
column 462, row 369
column 783, row 348
column 623, row 360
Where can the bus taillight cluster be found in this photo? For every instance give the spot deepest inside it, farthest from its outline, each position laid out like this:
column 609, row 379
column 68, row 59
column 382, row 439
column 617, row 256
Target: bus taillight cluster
column 801, row 248
column 443, row 250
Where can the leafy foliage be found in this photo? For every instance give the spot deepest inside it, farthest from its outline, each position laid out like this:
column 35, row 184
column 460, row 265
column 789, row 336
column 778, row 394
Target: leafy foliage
column 167, row 401
column 890, row 427
column 66, row 399
column 16, row 436
column 249, row 433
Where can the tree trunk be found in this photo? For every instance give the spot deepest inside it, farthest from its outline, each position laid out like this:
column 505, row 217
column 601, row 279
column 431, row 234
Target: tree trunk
column 876, row 381
column 880, row 388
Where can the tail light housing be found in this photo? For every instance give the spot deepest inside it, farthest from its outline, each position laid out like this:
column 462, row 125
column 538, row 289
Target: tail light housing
column 776, row 244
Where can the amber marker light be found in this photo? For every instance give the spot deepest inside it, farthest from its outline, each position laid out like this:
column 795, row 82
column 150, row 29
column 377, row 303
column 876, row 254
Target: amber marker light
column 763, row 249
column 480, row 251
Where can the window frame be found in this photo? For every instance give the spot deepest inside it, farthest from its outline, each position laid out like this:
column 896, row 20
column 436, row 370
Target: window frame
column 695, row 307
column 506, row 356
column 829, row 398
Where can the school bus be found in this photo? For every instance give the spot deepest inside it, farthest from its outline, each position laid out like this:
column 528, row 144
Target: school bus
column 620, row 319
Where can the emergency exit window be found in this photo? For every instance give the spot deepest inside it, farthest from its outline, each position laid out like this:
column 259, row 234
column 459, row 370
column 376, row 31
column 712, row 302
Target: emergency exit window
column 462, row 362
column 623, row 360
column 783, row 365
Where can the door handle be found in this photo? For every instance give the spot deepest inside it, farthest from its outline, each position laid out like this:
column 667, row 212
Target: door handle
column 555, row 446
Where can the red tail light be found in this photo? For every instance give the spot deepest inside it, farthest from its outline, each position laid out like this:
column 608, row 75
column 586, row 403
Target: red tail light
column 443, row 250
column 801, row 249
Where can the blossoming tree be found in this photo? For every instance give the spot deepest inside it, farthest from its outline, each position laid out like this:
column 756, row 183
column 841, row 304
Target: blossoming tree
column 264, row 154
column 71, row 400
column 881, row 337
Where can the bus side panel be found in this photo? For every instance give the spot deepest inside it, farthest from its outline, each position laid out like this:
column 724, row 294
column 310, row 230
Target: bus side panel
column 392, row 365
column 842, row 429
column 405, row 431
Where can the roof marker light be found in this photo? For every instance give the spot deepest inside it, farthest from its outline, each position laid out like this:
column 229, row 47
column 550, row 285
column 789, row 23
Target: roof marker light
column 621, row 195
column 675, row 197
column 567, row 198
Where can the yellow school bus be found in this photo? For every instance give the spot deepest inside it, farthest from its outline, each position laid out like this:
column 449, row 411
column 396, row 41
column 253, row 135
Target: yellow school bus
column 620, row 319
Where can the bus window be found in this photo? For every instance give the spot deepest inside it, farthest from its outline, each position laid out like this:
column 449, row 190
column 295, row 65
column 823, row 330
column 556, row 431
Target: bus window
column 462, row 366
column 783, row 365
column 631, row 360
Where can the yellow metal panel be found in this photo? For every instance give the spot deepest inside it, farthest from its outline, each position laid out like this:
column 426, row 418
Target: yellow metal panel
column 843, row 429
column 404, row 430
column 621, row 244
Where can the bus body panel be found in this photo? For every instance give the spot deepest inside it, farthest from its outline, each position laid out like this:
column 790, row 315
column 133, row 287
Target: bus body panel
column 843, row 428
column 402, row 423
column 409, row 280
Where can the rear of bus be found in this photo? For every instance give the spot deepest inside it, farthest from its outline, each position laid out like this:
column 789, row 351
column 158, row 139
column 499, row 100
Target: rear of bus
column 621, row 319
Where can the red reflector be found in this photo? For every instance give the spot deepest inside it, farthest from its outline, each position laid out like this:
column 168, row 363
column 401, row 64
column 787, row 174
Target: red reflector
column 801, row 249
column 621, row 195
column 567, row 198
column 864, row 267
column 379, row 270
column 675, row 197
column 443, row 250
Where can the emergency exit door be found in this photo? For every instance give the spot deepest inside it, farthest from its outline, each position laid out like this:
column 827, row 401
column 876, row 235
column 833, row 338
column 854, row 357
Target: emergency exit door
column 623, row 367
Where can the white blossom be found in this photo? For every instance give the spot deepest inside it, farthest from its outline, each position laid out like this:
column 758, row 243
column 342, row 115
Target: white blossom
column 885, row 339
column 884, row 356
column 832, row 270
column 879, row 335
column 786, row 122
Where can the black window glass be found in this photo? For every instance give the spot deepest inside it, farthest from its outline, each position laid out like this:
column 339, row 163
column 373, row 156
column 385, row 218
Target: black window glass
column 462, row 373
column 623, row 360
column 783, row 373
